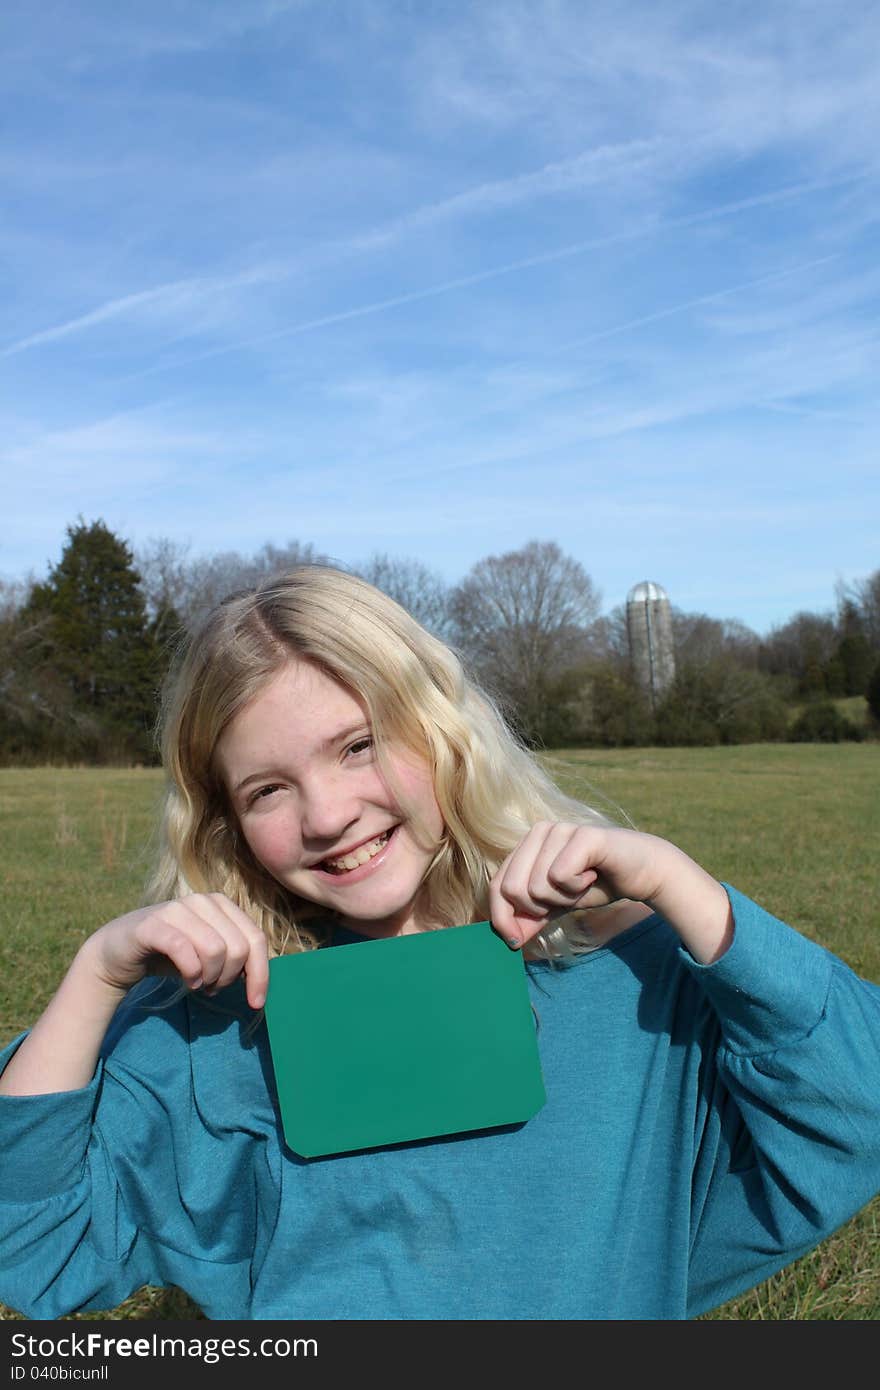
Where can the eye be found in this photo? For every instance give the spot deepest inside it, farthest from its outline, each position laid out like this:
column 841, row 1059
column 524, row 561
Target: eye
column 360, row 746
column 261, row 793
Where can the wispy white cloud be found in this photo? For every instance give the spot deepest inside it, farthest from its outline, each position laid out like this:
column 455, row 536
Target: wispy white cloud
column 105, row 35
column 822, row 298
column 605, row 167
column 116, row 453
column 738, row 79
column 701, row 301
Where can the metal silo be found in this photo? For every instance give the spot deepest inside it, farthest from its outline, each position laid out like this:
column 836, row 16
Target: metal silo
column 649, row 628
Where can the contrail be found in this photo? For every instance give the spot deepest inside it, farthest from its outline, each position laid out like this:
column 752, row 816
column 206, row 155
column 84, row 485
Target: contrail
column 693, row 303
column 111, row 310
column 117, row 307
column 511, row 267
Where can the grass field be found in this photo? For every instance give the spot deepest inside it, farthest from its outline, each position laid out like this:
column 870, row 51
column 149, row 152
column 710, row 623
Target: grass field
column 795, row 826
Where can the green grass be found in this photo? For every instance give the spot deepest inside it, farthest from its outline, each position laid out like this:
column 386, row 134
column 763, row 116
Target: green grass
column 77, row 849
column 794, row 826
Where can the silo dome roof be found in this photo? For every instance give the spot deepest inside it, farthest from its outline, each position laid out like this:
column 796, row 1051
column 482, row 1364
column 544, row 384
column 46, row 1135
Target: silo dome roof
column 646, row 592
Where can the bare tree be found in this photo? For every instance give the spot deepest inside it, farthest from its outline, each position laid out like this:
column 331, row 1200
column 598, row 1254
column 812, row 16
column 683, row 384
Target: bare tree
column 609, row 638
column 421, row 591
column 864, row 596
column 16, row 638
column 700, row 640
column 523, row 619
column 13, row 595
column 800, row 650
column 164, row 566
column 191, row 587
column 32, row 699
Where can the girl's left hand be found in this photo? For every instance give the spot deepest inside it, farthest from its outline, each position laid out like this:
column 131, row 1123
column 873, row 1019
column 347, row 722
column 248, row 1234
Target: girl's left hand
column 558, row 867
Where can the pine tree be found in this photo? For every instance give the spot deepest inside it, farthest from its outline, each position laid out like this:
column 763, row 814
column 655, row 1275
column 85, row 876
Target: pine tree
column 99, row 644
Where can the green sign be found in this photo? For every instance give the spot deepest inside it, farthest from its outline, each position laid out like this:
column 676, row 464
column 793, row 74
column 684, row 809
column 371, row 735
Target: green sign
column 411, row 1037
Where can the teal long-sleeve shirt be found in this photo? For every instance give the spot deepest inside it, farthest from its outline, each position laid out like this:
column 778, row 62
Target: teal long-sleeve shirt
column 704, row 1126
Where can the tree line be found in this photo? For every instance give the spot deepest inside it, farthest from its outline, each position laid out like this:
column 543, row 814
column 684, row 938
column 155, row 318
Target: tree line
column 84, row 652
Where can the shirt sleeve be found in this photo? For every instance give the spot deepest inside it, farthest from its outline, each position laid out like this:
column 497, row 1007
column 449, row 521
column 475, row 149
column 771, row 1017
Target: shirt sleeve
column 121, row 1184
column 65, row 1239
column 787, row 1141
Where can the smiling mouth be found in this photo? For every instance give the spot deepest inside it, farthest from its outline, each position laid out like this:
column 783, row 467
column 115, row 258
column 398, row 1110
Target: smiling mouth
column 362, row 855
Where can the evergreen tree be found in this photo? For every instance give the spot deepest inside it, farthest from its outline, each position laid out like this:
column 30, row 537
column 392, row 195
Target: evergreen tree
column 872, row 694
column 98, row 643
column 849, row 669
column 856, row 659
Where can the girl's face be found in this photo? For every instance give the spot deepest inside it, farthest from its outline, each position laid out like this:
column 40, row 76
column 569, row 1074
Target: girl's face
column 301, row 772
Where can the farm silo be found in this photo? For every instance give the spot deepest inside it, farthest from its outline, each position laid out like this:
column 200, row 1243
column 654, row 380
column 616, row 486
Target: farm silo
column 649, row 628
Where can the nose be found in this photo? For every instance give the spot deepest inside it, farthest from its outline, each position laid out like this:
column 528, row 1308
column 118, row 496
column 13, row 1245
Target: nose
column 327, row 809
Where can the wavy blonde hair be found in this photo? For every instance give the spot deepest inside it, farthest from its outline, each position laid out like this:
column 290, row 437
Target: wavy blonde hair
column 489, row 787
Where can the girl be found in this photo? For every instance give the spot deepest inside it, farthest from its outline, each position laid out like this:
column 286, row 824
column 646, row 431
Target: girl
column 711, row 1075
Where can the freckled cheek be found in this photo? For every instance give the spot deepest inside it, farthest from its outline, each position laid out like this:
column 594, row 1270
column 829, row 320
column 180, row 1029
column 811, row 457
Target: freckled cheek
column 276, row 846
column 417, row 790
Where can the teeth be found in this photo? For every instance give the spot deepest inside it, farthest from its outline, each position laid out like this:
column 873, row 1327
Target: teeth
column 362, row 855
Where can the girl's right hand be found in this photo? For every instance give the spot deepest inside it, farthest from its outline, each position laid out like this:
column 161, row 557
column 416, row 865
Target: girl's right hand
column 204, row 938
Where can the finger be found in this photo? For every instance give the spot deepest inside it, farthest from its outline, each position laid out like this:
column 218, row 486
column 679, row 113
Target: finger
column 561, row 872
column 256, row 973
column 501, row 912
column 574, row 869
column 516, row 915
column 548, row 875
column 174, row 950
column 218, row 944
column 248, row 953
column 221, row 948
column 580, row 866
column 525, row 881
column 255, row 967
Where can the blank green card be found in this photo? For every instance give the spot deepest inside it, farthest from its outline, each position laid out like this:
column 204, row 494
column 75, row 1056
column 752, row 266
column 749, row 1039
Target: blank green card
column 380, row 1042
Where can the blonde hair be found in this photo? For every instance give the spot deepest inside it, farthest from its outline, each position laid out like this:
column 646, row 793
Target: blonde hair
column 489, row 787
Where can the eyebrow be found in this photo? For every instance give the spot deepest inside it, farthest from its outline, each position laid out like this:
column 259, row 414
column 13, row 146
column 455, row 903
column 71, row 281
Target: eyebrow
column 361, row 727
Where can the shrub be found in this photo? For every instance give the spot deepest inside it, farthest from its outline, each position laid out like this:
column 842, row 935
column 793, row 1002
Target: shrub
column 822, row 722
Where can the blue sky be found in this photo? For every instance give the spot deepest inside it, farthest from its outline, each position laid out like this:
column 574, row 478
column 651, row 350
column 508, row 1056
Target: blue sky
column 437, row 279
